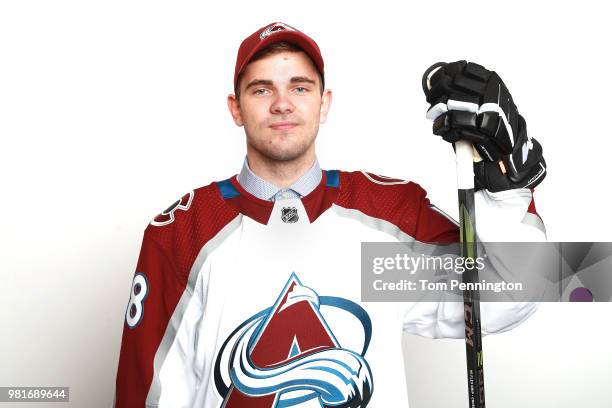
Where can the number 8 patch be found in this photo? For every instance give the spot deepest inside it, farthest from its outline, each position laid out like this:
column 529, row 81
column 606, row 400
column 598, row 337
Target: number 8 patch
column 135, row 308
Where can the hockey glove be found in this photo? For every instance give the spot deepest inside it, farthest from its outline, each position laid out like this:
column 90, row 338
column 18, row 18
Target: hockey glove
column 469, row 102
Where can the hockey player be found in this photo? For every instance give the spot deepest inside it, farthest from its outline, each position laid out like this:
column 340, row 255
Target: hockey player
column 247, row 290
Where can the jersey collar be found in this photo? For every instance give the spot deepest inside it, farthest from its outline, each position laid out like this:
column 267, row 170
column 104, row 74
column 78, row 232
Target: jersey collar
column 265, row 190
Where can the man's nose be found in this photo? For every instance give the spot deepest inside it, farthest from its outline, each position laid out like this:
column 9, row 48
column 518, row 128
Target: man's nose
column 282, row 103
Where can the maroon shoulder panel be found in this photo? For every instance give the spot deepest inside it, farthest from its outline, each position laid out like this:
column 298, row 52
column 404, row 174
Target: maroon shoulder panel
column 404, row 204
column 192, row 228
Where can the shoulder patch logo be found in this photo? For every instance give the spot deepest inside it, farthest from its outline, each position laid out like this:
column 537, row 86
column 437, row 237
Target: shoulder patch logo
column 383, row 180
column 167, row 216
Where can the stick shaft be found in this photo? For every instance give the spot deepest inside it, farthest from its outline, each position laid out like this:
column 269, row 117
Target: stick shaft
column 471, row 299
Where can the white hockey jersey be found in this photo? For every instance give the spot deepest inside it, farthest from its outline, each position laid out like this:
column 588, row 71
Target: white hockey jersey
column 242, row 302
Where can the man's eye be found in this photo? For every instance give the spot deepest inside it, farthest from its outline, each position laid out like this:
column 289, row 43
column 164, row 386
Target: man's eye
column 261, row 91
column 301, row 89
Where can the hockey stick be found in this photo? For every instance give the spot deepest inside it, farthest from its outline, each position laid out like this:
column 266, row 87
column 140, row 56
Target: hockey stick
column 465, row 156
column 471, row 298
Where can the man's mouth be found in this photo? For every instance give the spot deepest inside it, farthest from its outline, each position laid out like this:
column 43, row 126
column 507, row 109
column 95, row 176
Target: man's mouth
column 285, row 125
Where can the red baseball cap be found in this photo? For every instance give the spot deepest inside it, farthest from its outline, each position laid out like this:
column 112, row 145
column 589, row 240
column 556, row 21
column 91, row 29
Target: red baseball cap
column 273, row 33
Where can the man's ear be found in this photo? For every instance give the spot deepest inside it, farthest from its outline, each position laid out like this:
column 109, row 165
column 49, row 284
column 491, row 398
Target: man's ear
column 233, row 105
column 326, row 100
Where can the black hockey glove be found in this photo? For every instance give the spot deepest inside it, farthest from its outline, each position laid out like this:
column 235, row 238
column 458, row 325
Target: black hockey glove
column 469, row 102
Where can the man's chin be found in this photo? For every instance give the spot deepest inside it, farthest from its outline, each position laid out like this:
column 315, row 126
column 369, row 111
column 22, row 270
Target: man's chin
column 283, row 154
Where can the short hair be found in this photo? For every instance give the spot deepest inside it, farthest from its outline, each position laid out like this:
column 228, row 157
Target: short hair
column 277, row 48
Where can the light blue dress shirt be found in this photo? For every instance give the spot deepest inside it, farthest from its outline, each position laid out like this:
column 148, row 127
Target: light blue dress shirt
column 264, row 190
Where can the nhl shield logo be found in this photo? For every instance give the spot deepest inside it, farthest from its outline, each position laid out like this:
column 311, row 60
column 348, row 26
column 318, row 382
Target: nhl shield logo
column 289, row 215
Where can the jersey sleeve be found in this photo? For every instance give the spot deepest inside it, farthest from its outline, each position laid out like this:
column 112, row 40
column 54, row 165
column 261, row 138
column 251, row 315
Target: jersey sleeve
column 154, row 295
column 507, row 216
column 432, row 225
column 159, row 364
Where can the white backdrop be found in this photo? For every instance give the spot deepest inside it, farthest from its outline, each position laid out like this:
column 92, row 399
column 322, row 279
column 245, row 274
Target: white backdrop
column 109, row 111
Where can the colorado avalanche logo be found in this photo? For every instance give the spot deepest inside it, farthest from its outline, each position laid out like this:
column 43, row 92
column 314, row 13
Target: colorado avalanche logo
column 287, row 356
column 275, row 28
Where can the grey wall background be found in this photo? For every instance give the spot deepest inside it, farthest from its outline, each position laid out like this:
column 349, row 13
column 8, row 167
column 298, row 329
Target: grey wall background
column 111, row 110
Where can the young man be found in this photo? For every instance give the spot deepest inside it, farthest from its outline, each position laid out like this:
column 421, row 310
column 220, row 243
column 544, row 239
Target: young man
column 247, row 291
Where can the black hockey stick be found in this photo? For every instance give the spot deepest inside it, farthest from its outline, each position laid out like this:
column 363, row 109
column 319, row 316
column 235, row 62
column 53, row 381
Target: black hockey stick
column 471, row 299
